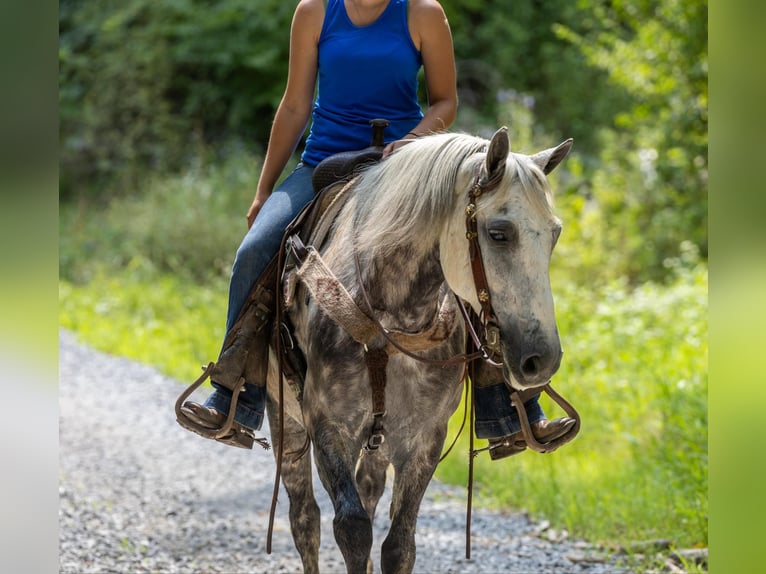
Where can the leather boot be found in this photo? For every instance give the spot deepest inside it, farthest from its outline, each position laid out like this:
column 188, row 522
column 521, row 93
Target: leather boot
column 245, row 358
column 543, row 430
column 246, row 349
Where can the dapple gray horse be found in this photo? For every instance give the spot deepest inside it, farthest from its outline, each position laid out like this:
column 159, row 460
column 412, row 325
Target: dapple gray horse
column 398, row 247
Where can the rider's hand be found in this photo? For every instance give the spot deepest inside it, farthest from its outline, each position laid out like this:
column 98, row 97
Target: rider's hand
column 394, row 145
column 255, row 208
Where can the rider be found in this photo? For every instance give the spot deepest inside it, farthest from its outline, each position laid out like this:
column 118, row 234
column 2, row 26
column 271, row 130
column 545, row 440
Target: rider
column 364, row 56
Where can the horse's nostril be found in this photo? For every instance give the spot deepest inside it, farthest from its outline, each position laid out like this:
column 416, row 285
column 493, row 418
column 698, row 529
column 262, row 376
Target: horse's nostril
column 530, row 365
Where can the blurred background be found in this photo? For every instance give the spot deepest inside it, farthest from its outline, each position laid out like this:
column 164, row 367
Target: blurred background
column 165, row 107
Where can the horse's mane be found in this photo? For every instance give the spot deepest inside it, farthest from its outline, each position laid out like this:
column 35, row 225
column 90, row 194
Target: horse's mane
column 411, row 192
column 401, row 200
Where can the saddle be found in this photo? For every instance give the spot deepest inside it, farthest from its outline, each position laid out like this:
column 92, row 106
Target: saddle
column 344, row 166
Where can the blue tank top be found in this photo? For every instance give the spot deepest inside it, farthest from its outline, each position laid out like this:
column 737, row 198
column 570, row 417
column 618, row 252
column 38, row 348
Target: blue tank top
column 364, row 72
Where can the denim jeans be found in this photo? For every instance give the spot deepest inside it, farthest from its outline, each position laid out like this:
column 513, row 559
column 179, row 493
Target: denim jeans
column 496, row 416
column 257, row 249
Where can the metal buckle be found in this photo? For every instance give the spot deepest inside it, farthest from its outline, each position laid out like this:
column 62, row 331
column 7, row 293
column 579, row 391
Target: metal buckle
column 493, row 338
column 377, row 434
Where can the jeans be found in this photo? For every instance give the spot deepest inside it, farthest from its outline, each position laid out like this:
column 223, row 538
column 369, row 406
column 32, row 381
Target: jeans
column 495, row 415
column 257, row 249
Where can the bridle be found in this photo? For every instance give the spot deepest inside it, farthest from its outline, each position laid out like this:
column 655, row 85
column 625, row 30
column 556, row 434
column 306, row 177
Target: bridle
column 487, row 343
column 491, row 331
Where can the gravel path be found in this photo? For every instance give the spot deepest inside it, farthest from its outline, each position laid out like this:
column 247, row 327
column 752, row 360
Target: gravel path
column 140, row 494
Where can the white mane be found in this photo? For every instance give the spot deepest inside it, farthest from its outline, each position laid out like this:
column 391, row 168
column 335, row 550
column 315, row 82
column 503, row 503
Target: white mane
column 418, row 183
column 402, row 200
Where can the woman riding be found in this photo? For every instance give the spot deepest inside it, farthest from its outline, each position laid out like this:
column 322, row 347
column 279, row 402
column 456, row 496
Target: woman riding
column 362, row 57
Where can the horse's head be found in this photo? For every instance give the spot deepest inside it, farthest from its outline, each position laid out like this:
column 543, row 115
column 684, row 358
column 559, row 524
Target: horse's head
column 517, row 232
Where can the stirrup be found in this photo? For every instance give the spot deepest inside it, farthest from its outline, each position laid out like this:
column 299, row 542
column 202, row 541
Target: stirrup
column 231, row 432
column 526, row 431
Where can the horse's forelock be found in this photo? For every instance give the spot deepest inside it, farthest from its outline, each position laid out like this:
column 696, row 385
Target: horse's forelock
column 534, row 183
column 406, row 198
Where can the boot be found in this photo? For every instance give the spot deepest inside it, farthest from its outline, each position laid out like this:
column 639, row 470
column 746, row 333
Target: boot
column 543, row 430
column 244, row 359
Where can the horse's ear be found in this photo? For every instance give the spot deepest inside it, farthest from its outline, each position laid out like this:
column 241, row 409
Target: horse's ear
column 548, row 160
column 497, row 153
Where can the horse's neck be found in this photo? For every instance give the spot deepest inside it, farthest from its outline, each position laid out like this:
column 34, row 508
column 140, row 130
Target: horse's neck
column 405, row 287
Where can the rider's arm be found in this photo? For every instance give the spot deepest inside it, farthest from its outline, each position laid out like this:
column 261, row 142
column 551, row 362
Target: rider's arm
column 294, row 110
column 431, row 34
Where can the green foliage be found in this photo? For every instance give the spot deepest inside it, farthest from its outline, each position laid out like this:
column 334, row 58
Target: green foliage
column 114, row 71
column 635, row 367
column 189, row 225
column 504, row 48
column 154, row 318
column 650, row 183
column 145, row 83
column 147, row 86
column 628, row 81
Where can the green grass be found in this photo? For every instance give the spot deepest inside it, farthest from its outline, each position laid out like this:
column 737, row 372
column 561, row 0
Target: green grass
column 162, row 321
column 146, row 276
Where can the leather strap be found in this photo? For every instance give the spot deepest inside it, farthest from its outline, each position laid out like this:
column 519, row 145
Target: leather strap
column 377, row 361
column 480, row 186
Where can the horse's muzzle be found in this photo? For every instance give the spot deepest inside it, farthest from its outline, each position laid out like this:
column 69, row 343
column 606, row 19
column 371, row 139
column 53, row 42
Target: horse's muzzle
column 533, row 369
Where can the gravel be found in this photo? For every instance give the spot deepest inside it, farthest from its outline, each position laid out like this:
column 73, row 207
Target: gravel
column 140, row 494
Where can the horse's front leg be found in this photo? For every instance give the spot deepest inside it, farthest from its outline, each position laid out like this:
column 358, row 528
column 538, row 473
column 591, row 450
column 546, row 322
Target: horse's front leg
column 296, row 476
column 335, row 460
column 411, row 480
column 370, row 483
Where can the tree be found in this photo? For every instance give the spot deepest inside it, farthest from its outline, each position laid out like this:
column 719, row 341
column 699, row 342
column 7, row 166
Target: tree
column 651, row 183
column 146, row 83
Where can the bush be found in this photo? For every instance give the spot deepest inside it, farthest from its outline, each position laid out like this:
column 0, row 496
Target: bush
column 188, row 225
column 146, row 84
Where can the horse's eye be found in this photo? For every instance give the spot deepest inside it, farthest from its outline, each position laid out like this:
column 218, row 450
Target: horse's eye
column 502, row 231
column 497, row 235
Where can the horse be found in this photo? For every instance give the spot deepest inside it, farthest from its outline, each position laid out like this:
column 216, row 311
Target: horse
column 397, row 248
